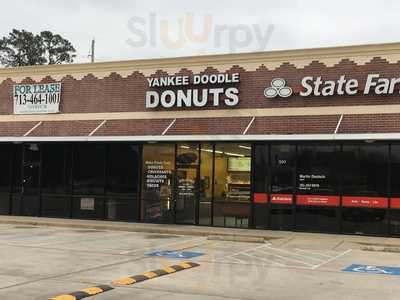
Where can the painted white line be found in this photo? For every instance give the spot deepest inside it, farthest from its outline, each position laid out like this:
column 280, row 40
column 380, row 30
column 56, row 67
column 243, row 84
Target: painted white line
column 239, row 260
column 266, row 260
column 245, row 251
column 158, row 247
column 295, row 254
column 331, row 259
column 313, row 252
column 289, row 259
column 73, row 241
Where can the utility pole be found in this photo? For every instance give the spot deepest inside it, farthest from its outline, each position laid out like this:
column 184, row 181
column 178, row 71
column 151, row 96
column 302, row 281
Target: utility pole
column 92, row 51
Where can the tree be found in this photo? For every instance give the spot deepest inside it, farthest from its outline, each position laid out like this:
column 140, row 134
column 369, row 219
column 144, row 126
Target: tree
column 23, row 48
column 57, row 49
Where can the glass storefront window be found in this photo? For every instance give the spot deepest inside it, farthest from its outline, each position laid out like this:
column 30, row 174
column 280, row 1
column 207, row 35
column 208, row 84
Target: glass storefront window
column 317, row 170
column 232, row 184
column 123, row 164
column 123, row 169
column 365, row 169
column 283, row 166
column 364, row 202
column 317, row 198
column 395, row 189
column 54, row 170
column 6, row 159
column 187, row 163
column 158, row 172
column 89, row 171
column 205, row 183
column 261, row 185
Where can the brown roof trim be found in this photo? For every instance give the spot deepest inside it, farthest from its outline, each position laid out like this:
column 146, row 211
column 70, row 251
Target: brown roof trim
column 370, row 50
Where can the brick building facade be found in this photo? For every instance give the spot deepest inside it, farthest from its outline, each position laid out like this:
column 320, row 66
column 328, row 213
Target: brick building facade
column 220, row 165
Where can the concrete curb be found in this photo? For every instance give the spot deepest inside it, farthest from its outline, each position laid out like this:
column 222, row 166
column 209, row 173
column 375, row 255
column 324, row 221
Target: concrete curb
column 236, row 238
column 231, row 234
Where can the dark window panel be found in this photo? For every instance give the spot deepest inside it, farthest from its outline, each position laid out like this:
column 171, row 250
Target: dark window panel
column 283, row 158
column 317, row 219
column 32, row 153
column 89, row 169
column 261, row 168
column 123, row 169
column 6, row 159
column 365, row 169
column 54, row 169
column 317, row 169
column 357, row 220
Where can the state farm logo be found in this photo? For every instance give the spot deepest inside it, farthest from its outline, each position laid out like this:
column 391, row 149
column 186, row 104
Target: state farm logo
column 278, row 87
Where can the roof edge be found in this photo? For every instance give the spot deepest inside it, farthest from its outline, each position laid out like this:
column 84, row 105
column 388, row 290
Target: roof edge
column 209, row 60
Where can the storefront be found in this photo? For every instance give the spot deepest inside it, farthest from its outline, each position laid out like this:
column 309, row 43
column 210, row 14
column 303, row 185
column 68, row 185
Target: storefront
column 305, row 140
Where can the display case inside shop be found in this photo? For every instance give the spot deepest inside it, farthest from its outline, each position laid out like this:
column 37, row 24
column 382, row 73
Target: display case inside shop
column 238, row 179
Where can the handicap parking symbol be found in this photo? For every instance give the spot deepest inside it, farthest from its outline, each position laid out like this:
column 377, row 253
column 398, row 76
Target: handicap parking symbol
column 175, row 254
column 373, row 269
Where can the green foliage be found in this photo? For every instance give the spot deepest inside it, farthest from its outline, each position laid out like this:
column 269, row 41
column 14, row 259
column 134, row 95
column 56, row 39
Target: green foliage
column 23, row 48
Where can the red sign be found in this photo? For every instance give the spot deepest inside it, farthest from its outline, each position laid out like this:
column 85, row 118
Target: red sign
column 281, row 199
column 395, row 203
column 260, row 198
column 317, row 200
column 373, row 202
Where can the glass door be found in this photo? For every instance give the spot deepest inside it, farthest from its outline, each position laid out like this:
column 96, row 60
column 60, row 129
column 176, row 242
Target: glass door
column 187, row 193
column 283, row 167
column 30, row 198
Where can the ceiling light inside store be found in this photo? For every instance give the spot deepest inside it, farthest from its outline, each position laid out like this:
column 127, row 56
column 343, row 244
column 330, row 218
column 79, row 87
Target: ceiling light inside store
column 234, row 154
column 245, row 147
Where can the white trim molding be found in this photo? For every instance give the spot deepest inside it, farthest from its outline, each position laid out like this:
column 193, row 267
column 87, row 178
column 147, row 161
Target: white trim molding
column 238, row 137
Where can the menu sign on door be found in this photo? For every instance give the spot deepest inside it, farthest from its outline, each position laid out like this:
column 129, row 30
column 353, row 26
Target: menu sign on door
column 37, row 98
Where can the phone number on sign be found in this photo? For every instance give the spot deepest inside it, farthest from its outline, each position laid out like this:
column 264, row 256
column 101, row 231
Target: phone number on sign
column 49, row 98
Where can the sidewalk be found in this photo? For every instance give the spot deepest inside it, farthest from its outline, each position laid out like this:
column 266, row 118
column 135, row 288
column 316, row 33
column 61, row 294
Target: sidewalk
column 240, row 234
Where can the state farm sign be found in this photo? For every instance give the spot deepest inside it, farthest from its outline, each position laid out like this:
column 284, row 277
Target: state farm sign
column 316, row 86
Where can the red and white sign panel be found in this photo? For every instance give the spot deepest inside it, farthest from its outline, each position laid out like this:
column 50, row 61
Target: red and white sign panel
column 281, row 199
column 260, row 198
column 372, row 202
column 395, row 203
column 317, row 200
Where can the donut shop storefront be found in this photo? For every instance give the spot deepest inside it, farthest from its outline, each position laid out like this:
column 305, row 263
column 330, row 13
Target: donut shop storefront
column 305, row 140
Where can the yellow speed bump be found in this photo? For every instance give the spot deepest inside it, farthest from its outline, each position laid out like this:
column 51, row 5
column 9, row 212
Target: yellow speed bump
column 124, row 281
column 91, row 291
column 156, row 273
column 63, row 297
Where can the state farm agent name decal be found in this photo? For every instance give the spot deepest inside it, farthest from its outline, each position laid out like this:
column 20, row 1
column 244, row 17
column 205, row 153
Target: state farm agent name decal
column 193, row 91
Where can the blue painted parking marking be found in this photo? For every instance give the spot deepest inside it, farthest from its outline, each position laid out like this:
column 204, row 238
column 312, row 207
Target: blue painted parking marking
column 175, row 254
column 373, row 269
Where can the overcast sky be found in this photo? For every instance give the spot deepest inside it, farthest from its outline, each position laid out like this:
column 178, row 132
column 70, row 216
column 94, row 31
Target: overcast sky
column 131, row 29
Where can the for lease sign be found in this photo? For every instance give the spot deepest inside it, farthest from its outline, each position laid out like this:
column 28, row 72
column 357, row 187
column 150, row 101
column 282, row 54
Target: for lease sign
column 37, row 98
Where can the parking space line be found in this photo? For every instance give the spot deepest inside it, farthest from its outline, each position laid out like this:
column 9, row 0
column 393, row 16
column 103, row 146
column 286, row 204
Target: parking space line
column 295, row 254
column 84, row 293
column 287, row 258
column 266, row 260
column 244, row 251
column 153, row 274
column 237, row 259
column 331, row 259
column 313, row 252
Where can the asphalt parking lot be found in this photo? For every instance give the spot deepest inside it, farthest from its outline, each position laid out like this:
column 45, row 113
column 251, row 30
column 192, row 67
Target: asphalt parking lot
column 44, row 262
